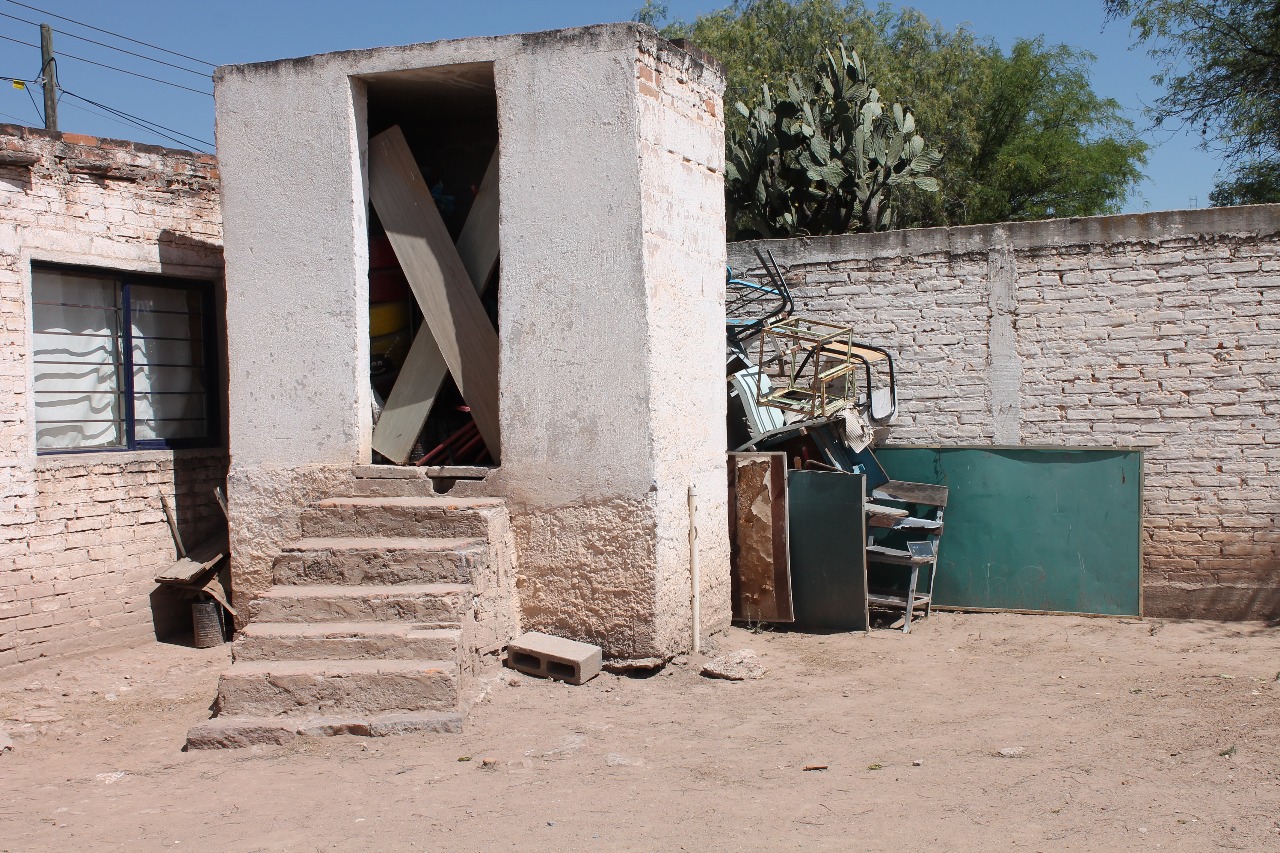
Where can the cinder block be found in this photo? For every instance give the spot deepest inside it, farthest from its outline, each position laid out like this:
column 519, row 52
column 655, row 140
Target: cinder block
column 545, row 656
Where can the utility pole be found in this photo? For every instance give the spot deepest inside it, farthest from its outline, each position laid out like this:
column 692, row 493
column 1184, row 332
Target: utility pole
column 49, row 73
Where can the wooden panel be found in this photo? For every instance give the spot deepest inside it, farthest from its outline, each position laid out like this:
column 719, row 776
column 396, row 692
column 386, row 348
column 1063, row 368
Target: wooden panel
column 424, row 370
column 827, row 529
column 439, row 279
column 478, row 242
column 1035, row 529
column 759, row 563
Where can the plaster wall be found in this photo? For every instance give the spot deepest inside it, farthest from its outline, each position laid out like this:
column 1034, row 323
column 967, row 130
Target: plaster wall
column 1157, row 331
column 681, row 139
column 82, row 535
column 581, row 404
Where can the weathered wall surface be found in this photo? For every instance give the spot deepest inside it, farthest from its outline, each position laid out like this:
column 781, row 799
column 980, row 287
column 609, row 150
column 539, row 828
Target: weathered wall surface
column 680, row 132
column 82, row 535
column 1157, row 331
column 590, row 324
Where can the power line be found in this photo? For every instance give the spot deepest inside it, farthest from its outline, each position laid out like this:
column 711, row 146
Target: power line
column 153, row 127
column 109, row 46
column 111, row 67
column 39, row 113
column 115, row 35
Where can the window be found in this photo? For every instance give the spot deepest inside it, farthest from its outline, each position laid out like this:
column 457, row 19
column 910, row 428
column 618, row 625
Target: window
column 122, row 361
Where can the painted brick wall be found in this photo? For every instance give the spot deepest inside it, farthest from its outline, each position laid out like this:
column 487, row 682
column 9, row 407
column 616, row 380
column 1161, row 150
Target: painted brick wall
column 1157, row 331
column 81, row 536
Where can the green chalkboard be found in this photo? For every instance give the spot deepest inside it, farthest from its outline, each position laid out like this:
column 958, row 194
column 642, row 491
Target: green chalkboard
column 827, row 541
column 1034, row 528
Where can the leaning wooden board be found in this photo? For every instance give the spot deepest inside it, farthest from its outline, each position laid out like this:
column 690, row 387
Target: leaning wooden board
column 1043, row 529
column 443, row 287
column 760, row 569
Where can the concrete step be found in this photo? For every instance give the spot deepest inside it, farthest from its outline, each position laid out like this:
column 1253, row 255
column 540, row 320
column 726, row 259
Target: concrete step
column 438, row 605
column 345, row 641
column 443, row 516
column 337, row 687
column 236, row 732
column 388, row 488
column 381, row 560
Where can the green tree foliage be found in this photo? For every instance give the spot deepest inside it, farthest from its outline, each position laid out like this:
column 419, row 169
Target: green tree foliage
column 1255, row 183
column 1220, row 68
column 1023, row 135
column 826, row 157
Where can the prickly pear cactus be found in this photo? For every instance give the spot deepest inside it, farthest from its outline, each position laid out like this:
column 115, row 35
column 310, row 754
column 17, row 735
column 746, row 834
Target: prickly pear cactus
column 825, row 158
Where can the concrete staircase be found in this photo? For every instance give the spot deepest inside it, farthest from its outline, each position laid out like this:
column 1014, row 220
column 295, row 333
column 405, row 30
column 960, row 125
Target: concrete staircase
column 379, row 622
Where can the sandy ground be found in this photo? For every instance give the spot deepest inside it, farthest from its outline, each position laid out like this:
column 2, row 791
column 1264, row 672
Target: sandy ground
column 1134, row 735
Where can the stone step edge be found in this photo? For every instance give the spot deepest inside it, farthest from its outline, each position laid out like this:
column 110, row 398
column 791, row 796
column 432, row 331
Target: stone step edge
column 336, row 668
column 239, row 732
column 363, row 590
column 423, row 501
column 433, row 544
column 343, row 630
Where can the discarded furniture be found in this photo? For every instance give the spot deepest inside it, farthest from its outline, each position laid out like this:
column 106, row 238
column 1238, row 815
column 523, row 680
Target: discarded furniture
column 828, row 558
column 750, row 305
column 1035, row 529
column 797, row 541
column 819, row 366
column 902, row 550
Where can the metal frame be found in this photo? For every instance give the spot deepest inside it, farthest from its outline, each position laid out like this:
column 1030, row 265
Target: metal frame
column 815, row 356
column 742, row 295
column 124, row 281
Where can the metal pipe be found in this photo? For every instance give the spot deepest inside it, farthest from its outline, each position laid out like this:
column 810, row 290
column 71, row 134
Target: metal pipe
column 694, row 579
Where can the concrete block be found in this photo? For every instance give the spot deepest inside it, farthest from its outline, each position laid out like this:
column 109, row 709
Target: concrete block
column 543, row 655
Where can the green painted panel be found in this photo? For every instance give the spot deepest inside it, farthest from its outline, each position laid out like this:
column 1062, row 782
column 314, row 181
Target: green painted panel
column 1034, row 529
column 827, row 542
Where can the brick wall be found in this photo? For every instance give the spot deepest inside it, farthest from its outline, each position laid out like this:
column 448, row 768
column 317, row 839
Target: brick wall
column 1157, row 331
column 81, row 536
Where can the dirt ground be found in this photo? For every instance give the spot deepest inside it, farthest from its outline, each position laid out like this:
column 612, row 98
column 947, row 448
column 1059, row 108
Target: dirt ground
column 1124, row 734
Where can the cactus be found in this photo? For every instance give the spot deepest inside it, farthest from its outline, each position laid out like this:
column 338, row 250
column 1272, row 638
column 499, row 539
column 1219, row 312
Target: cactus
column 826, row 158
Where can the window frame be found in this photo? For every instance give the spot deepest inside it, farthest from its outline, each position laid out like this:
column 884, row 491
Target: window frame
column 210, row 368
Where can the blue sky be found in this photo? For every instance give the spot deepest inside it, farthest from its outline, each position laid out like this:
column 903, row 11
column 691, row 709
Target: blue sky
column 233, row 31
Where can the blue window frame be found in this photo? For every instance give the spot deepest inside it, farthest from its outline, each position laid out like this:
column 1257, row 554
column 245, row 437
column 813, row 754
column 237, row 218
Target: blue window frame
column 122, row 361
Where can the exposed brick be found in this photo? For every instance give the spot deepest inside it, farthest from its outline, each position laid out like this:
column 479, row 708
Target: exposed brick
column 81, row 537
column 1168, row 342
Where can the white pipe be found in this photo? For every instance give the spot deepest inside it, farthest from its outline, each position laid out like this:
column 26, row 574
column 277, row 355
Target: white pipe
column 695, row 580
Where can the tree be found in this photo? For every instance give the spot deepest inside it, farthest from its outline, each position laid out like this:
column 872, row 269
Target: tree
column 1220, row 68
column 1255, row 183
column 1023, row 135
column 825, row 158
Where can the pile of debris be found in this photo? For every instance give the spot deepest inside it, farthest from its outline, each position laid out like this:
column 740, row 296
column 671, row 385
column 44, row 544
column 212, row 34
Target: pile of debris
column 808, row 545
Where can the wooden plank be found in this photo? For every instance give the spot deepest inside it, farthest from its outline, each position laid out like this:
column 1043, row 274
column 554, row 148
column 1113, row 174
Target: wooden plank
column 424, row 369
column 759, row 562
column 918, row 493
column 439, row 280
column 478, row 242
column 198, row 560
column 894, row 556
